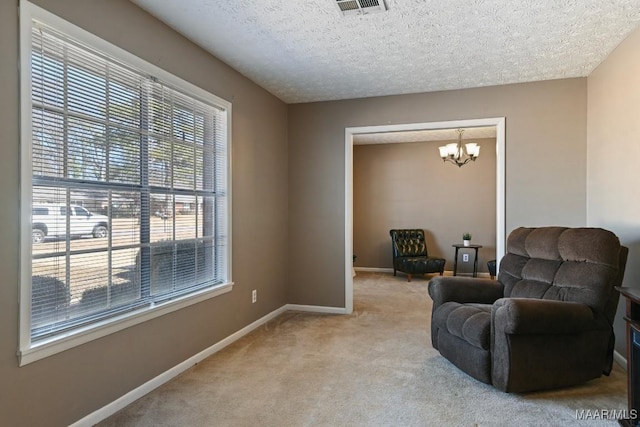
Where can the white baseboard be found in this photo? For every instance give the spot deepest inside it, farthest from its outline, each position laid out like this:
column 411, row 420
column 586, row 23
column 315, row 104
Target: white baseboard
column 374, row 269
column 120, row 403
column 620, row 359
column 316, row 309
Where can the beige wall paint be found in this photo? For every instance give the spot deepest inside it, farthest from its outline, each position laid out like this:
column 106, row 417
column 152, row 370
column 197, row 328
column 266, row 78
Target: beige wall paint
column 545, row 173
column 407, row 185
column 65, row 387
column 613, row 146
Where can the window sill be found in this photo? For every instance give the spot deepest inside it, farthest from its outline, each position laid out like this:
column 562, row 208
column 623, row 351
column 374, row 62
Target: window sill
column 109, row 326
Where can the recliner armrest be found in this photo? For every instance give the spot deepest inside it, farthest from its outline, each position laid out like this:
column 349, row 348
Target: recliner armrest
column 537, row 316
column 464, row 290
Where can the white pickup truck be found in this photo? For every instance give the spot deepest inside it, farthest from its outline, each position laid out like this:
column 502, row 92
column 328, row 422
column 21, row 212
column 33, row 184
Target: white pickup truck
column 51, row 221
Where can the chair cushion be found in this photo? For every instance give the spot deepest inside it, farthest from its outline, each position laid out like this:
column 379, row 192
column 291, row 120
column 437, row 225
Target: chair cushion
column 420, row 265
column 470, row 322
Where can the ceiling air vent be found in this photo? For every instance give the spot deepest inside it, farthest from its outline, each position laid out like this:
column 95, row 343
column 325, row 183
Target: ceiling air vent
column 360, row 7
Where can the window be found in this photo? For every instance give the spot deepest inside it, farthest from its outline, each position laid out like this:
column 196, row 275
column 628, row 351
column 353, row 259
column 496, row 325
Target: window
column 126, row 179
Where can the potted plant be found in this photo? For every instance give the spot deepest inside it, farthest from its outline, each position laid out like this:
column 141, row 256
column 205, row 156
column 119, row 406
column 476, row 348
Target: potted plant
column 466, row 238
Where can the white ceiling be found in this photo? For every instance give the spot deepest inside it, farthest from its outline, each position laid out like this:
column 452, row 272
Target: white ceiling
column 304, row 51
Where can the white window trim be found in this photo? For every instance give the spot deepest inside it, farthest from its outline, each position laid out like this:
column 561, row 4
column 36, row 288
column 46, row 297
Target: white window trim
column 29, row 352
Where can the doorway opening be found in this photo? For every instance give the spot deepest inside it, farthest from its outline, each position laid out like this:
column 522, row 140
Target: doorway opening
column 498, row 123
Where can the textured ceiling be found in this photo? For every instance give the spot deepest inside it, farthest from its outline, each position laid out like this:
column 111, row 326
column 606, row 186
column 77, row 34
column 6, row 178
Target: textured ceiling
column 303, row 51
column 424, row 136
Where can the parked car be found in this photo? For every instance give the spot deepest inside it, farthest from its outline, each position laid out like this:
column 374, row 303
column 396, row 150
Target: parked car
column 163, row 214
column 51, row 221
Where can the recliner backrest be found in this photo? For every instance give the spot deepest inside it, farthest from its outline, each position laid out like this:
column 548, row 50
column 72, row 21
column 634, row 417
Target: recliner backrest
column 409, row 242
column 560, row 263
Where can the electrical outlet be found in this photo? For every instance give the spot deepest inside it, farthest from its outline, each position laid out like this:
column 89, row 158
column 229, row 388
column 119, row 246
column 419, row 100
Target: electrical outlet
column 465, row 257
column 254, row 296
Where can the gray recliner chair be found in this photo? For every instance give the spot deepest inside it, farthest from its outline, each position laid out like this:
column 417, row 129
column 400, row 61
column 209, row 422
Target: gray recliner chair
column 546, row 322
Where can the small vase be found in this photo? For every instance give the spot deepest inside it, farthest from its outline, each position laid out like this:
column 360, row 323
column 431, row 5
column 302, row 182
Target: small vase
column 466, row 242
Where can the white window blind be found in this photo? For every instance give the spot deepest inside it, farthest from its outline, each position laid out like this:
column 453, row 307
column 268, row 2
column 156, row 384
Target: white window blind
column 128, row 188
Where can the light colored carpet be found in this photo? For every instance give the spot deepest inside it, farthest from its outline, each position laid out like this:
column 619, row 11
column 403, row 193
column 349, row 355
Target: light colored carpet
column 375, row 367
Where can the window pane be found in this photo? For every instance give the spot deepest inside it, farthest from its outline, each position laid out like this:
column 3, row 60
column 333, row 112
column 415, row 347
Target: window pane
column 86, row 85
column 160, row 170
column 90, row 230
column 162, row 269
column 125, row 217
column 199, row 165
column 124, row 156
column 124, row 98
column 199, row 127
column 185, row 217
column 89, row 273
column 183, row 166
column 162, row 219
column 124, row 288
column 207, row 224
column 87, row 158
column 160, row 112
column 47, row 143
column 208, row 168
column 181, row 265
column 49, row 292
column 205, row 262
column 183, row 123
column 50, row 198
column 187, row 258
column 47, row 75
column 48, row 224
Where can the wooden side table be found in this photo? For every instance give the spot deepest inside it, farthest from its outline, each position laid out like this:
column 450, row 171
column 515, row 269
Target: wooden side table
column 475, row 260
column 632, row 319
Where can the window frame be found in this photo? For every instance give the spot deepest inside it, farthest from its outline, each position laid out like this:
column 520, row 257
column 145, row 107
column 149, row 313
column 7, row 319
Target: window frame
column 28, row 351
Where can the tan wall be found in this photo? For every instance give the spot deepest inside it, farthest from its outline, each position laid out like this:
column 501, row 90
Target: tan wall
column 545, row 174
column 407, row 185
column 65, row 387
column 613, row 146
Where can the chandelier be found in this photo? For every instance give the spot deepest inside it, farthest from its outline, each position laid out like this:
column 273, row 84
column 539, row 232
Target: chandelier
column 457, row 154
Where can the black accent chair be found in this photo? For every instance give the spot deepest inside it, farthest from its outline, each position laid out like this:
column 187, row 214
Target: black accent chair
column 546, row 322
column 491, row 266
column 410, row 254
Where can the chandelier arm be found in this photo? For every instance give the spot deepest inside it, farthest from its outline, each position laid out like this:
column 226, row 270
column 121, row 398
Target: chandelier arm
column 458, row 162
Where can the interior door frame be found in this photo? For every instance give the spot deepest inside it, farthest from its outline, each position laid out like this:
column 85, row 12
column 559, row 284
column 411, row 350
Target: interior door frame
column 498, row 122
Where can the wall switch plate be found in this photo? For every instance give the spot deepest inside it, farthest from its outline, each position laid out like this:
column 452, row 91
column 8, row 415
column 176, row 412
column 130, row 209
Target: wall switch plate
column 465, row 257
column 254, row 296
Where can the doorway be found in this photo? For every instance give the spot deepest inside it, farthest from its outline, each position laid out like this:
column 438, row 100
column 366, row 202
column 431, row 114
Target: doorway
column 350, row 132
